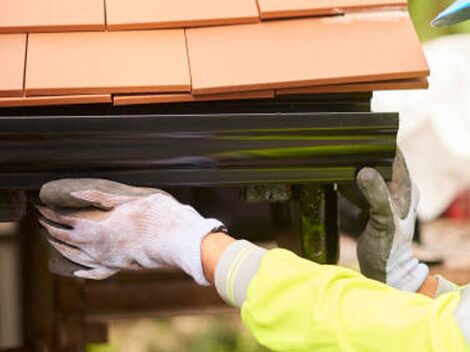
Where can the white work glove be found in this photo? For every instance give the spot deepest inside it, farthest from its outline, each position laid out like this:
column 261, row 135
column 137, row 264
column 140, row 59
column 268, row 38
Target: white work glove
column 384, row 249
column 107, row 226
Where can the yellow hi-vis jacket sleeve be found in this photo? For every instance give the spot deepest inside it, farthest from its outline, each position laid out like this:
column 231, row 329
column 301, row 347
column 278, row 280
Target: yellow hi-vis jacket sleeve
column 292, row 304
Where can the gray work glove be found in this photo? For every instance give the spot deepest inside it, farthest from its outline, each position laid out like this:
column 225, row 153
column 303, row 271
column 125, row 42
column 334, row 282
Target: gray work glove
column 384, row 249
column 107, row 226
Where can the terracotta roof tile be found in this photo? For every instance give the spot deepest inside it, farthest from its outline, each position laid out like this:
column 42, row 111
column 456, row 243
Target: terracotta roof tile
column 372, row 46
column 12, row 62
column 51, row 15
column 301, row 8
column 276, row 54
column 178, row 98
column 144, row 14
column 107, row 62
column 55, row 100
column 414, row 83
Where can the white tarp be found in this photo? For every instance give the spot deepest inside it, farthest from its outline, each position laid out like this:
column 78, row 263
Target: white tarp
column 435, row 124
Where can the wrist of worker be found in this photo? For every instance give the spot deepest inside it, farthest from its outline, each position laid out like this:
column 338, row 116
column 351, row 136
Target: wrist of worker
column 437, row 285
column 429, row 287
column 230, row 265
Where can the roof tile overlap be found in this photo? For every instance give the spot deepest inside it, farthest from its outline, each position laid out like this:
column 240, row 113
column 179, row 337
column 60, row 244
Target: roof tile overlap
column 133, row 99
column 18, row 16
column 270, row 9
column 56, row 100
column 144, row 14
column 401, row 84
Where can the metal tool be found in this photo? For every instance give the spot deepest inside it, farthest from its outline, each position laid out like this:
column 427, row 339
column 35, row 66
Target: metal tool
column 459, row 11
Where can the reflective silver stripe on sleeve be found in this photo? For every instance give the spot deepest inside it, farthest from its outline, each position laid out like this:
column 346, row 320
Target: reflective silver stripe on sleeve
column 462, row 313
column 444, row 286
column 235, row 269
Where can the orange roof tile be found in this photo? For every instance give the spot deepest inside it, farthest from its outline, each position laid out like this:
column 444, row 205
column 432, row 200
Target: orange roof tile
column 51, row 15
column 12, row 62
column 144, row 14
column 401, row 84
column 178, row 98
column 373, row 46
column 55, row 100
column 276, row 54
column 301, row 8
column 107, row 62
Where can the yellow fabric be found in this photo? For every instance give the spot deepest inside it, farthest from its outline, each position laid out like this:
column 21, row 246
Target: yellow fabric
column 295, row 305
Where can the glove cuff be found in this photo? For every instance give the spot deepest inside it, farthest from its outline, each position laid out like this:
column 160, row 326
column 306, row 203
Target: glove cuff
column 408, row 277
column 189, row 259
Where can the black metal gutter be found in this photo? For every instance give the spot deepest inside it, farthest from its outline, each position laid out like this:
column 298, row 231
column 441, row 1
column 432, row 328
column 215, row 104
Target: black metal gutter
column 195, row 149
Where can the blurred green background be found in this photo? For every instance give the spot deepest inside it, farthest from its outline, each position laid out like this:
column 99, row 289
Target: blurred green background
column 226, row 333
column 198, row 333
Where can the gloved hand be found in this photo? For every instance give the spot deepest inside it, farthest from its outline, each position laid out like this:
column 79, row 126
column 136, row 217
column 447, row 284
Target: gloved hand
column 107, row 226
column 384, row 249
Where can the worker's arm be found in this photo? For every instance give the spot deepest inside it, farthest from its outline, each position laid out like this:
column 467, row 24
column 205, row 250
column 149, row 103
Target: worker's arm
column 291, row 304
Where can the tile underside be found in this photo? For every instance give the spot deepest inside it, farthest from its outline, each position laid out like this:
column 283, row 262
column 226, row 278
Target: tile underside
column 144, row 14
column 341, row 49
column 179, row 98
column 12, row 62
column 51, row 15
column 416, row 83
column 55, row 100
column 107, row 62
column 296, row 8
